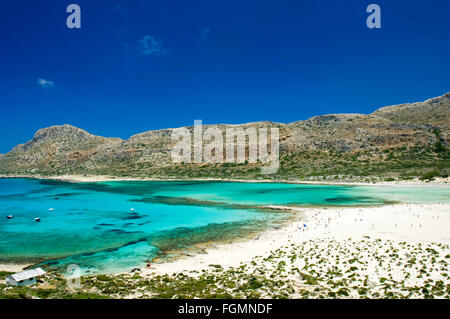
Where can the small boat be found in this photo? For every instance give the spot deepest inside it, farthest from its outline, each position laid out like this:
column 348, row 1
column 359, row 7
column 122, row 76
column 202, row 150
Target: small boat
column 132, row 209
column 51, row 209
column 9, row 217
column 37, row 220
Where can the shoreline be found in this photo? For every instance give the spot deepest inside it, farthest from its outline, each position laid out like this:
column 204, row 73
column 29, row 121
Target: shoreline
column 14, row 267
column 412, row 223
column 445, row 182
column 180, row 253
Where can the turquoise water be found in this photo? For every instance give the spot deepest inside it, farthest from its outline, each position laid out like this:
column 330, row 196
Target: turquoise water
column 92, row 224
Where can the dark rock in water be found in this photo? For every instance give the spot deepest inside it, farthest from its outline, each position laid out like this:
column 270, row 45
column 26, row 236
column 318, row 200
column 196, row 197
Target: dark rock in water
column 56, row 198
column 131, row 217
column 345, row 199
column 337, row 199
column 88, row 254
column 141, row 224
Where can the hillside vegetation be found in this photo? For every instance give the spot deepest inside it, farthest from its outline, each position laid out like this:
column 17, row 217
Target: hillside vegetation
column 395, row 142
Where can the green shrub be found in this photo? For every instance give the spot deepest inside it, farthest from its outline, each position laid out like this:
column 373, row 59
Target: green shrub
column 429, row 176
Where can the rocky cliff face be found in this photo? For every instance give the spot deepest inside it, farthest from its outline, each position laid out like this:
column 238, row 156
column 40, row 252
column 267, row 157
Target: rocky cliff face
column 403, row 141
column 57, row 146
column 434, row 111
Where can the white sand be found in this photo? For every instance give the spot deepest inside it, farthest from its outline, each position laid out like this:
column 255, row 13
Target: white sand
column 13, row 267
column 402, row 222
column 413, row 223
column 439, row 181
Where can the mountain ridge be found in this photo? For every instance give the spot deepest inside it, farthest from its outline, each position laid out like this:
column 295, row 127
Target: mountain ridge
column 397, row 141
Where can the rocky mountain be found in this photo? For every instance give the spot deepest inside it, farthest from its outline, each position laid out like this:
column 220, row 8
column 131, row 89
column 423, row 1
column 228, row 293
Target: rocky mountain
column 394, row 142
column 433, row 111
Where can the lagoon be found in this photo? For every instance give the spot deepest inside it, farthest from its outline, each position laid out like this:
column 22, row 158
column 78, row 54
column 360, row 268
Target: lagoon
column 109, row 227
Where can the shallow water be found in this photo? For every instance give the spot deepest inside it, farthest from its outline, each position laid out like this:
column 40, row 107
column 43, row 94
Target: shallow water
column 92, row 224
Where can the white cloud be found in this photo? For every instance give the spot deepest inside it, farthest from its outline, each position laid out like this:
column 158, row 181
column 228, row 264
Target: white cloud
column 45, row 83
column 205, row 31
column 122, row 8
column 148, row 45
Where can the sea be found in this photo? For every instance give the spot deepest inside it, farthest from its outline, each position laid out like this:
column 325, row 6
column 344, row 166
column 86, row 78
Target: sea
column 112, row 227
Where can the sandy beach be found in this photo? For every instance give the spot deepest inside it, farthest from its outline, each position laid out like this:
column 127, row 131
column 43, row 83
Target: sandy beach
column 414, row 223
column 390, row 251
column 13, row 267
column 427, row 223
column 397, row 250
column 438, row 181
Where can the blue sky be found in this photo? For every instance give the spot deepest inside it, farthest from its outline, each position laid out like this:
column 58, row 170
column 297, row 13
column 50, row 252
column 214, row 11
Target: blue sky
column 141, row 65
